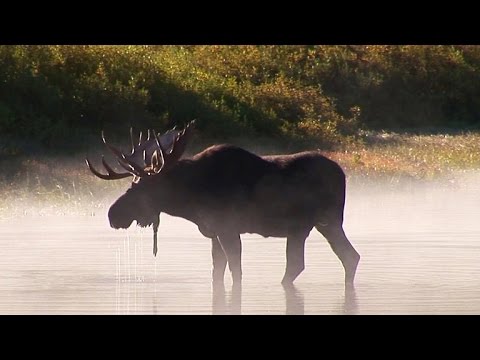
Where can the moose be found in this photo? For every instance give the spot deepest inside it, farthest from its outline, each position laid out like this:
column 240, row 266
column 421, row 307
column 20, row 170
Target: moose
column 228, row 191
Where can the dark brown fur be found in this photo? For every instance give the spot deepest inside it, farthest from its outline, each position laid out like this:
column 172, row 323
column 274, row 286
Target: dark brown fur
column 228, row 191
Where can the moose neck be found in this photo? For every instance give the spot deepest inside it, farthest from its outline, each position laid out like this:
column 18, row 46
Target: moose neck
column 176, row 195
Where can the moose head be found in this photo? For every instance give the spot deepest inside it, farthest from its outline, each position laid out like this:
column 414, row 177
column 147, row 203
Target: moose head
column 147, row 162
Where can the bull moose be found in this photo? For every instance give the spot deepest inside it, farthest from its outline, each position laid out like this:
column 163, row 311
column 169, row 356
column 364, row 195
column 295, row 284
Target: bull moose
column 228, row 191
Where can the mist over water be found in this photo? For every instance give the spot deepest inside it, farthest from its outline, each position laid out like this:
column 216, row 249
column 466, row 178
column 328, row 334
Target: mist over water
column 419, row 243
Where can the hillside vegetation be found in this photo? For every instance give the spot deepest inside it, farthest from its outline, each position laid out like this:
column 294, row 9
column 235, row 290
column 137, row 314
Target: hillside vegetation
column 60, row 97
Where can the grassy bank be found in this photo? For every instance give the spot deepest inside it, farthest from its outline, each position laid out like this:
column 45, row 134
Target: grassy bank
column 419, row 157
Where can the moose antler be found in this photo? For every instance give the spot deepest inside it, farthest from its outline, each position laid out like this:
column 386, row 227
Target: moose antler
column 151, row 152
column 112, row 175
column 131, row 167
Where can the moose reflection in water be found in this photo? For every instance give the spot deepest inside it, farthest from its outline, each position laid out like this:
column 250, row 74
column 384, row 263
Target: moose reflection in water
column 227, row 191
column 230, row 303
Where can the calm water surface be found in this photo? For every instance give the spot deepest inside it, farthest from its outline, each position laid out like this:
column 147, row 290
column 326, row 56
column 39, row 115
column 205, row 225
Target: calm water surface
column 420, row 247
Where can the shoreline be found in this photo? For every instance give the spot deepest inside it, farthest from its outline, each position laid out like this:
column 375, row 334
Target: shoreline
column 61, row 183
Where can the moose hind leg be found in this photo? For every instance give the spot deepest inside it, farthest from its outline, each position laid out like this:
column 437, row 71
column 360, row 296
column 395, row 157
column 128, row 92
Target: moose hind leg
column 219, row 260
column 232, row 246
column 295, row 258
column 342, row 247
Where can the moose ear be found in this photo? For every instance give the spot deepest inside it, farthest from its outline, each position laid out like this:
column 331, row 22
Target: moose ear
column 157, row 164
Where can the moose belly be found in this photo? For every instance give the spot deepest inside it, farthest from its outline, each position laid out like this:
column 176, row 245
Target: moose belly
column 276, row 222
column 263, row 220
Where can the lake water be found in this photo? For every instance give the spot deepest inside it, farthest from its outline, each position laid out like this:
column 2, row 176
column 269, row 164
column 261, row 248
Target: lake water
column 419, row 242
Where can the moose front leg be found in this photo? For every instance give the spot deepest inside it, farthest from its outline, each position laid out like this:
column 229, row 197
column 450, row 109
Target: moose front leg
column 232, row 246
column 156, row 223
column 219, row 262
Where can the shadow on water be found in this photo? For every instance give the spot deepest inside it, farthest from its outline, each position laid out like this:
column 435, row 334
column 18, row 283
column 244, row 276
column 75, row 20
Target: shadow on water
column 295, row 303
column 350, row 305
column 223, row 305
column 231, row 304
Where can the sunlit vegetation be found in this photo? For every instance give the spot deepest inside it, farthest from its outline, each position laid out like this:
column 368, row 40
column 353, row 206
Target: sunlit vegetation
column 60, row 97
column 422, row 157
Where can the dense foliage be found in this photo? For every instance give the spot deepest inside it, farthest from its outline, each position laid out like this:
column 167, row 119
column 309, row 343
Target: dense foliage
column 62, row 96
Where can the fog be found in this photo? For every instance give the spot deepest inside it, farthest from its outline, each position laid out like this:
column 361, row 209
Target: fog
column 418, row 241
